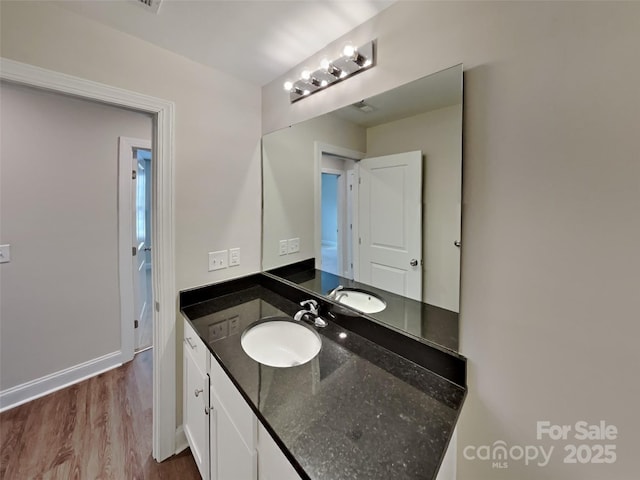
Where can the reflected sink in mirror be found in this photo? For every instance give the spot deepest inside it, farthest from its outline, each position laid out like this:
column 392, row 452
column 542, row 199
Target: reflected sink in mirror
column 361, row 300
column 280, row 342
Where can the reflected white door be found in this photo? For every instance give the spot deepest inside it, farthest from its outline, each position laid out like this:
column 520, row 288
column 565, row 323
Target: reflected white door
column 390, row 221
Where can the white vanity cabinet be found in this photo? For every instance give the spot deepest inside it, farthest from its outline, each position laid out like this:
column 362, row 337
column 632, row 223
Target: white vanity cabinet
column 233, row 427
column 196, row 398
column 226, row 439
column 272, row 464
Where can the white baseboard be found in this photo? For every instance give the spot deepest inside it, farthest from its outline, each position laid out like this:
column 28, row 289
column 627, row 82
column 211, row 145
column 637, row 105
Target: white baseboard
column 14, row 396
column 181, row 440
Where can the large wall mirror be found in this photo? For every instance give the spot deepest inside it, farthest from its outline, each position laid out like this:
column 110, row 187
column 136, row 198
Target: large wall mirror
column 367, row 200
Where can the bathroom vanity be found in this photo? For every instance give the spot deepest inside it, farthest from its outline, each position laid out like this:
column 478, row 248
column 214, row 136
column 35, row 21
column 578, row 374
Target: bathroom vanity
column 372, row 404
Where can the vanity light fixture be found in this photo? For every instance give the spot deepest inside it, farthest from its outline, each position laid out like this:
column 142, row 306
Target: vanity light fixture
column 353, row 60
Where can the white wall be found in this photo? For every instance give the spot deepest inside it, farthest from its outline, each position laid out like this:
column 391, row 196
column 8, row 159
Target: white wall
column 437, row 134
column 217, row 130
column 550, row 263
column 60, row 300
column 288, row 182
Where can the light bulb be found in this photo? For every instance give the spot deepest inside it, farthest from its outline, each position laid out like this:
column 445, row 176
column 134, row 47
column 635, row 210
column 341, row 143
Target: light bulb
column 305, row 75
column 325, row 64
column 288, row 85
column 306, row 92
column 367, row 63
column 324, row 83
column 348, row 50
column 343, row 74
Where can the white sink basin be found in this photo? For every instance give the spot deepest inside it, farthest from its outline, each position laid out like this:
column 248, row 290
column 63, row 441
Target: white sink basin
column 361, row 300
column 280, row 342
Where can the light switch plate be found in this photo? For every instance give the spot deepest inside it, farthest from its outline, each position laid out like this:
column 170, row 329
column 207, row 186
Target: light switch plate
column 5, row 253
column 284, row 248
column 294, row 245
column 234, row 325
column 234, row 257
column 218, row 260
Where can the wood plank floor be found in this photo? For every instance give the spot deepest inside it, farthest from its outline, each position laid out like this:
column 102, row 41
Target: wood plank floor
column 97, row 429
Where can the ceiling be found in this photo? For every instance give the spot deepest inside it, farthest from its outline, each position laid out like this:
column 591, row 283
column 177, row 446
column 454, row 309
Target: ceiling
column 256, row 40
column 432, row 92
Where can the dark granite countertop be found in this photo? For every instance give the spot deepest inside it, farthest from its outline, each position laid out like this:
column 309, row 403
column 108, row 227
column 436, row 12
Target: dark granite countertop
column 356, row 411
column 420, row 319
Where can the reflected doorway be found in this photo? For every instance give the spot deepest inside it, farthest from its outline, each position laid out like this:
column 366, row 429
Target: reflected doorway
column 336, row 214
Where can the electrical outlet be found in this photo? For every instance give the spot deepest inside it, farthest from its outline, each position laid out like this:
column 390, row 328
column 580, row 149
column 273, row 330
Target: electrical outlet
column 234, row 257
column 284, row 247
column 294, row 245
column 218, row 331
column 218, row 260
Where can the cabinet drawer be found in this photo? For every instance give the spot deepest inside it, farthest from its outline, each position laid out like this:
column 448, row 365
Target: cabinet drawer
column 195, row 346
column 236, row 407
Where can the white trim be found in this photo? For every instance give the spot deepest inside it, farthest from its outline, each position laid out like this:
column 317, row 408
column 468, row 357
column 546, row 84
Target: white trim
column 181, row 440
column 14, row 396
column 163, row 275
column 125, row 234
column 318, row 149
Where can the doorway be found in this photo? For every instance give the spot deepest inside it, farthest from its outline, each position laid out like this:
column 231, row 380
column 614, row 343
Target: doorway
column 336, row 213
column 163, row 113
column 143, row 292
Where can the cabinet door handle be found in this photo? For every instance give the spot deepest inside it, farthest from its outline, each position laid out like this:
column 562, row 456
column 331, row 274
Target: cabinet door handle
column 188, row 340
column 197, row 391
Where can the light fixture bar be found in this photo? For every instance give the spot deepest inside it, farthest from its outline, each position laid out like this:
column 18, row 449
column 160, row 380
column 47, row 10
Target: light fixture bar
column 352, row 61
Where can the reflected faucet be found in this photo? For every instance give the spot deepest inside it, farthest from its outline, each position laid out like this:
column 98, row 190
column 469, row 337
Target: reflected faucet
column 311, row 313
column 333, row 293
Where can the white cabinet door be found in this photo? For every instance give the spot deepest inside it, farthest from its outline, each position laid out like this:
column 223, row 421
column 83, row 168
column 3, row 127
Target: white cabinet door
column 273, row 465
column 195, row 408
column 232, row 458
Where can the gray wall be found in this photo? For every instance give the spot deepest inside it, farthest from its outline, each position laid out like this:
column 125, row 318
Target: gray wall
column 60, row 300
column 217, row 131
column 550, row 263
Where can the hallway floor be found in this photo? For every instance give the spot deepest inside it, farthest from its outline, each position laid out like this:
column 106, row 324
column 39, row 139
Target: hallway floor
column 100, row 428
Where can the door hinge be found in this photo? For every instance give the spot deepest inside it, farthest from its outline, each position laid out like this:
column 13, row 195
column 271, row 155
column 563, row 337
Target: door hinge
column 157, row 306
column 135, row 324
column 351, row 188
column 359, row 241
column 134, row 174
column 359, row 180
column 134, row 251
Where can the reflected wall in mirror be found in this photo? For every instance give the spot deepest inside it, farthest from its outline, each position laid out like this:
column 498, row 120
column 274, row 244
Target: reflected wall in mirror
column 372, row 192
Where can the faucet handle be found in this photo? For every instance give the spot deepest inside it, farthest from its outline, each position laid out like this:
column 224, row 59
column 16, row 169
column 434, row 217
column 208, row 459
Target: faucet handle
column 311, row 304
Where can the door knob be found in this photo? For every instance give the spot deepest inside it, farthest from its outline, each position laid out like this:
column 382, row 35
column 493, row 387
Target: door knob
column 457, row 243
column 413, row 262
column 197, row 391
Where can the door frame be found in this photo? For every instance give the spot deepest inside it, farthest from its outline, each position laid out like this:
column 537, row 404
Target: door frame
column 321, row 148
column 125, row 233
column 162, row 235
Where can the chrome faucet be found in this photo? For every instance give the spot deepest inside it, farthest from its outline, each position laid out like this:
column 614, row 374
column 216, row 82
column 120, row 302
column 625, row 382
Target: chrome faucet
column 311, row 313
column 333, row 293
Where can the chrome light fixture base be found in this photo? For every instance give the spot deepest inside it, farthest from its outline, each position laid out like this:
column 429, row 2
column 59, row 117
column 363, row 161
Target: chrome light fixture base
column 353, row 61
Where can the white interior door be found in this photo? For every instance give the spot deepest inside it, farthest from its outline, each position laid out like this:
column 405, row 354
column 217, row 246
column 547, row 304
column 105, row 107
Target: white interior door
column 390, row 223
column 141, row 245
